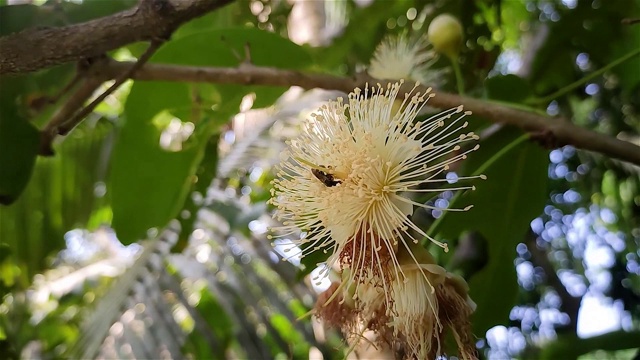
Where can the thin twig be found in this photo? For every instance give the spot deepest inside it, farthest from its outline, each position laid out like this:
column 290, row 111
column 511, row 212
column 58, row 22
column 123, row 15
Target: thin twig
column 562, row 130
column 42, row 47
column 76, row 79
column 629, row 21
column 81, row 72
column 69, row 124
column 71, row 106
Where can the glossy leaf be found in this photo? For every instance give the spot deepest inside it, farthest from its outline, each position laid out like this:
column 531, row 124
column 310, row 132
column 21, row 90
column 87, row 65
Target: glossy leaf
column 149, row 184
column 15, row 18
column 629, row 71
column 507, row 88
column 222, row 18
column 554, row 65
column 514, row 193
column 19, row 143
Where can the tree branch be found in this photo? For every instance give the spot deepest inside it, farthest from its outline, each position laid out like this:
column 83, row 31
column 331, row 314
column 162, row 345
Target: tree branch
column 564, row 132
column 68, row 116
column 71, row 105
column 70, row 123
column 38, row 48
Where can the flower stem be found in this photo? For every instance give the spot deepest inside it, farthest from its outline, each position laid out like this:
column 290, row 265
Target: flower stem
column 582, row 81
column 458, row 73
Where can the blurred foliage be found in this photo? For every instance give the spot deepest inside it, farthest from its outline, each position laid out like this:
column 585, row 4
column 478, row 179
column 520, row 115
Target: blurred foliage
column 208, row 285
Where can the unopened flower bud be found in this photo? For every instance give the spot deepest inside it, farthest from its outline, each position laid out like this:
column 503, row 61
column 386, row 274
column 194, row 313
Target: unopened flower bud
column 445, row 34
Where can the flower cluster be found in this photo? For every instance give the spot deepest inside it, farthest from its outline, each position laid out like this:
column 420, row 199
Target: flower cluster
column 347, row 182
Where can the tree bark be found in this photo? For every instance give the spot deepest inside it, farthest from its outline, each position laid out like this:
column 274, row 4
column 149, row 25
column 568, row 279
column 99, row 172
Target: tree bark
column 560, row 131
column 36, row 48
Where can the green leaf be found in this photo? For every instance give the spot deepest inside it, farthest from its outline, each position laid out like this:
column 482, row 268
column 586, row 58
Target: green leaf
column 88, row 10
column 61, row 195
column 226, row 47
column 509, row 87
column 205, row 174
column 148, row 183
column 514, row 193
column 629, row 71
column 221, row 18
column 554, row 64
column 15, row 18
column 19, row 143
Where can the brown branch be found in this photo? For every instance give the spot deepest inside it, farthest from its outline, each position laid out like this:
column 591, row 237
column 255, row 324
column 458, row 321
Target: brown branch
column 629, row 21
column 73, row 103
column 247, row 74
column 68, row 115
column 69, row 124
column 561, row 129
column 38, row 48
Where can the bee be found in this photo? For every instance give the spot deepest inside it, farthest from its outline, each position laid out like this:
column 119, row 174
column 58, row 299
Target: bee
column 327, row 179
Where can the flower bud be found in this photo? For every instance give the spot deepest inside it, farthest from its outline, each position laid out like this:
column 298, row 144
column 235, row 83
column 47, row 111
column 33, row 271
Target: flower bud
column 445, row 34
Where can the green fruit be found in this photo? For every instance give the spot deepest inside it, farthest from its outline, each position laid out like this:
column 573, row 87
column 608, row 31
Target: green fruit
column 445, row 34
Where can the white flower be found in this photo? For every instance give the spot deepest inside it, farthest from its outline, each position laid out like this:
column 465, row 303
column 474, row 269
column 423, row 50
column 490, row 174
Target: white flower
column 425, row 301
column 400, row 57
column 415, row 308
column 342, row 180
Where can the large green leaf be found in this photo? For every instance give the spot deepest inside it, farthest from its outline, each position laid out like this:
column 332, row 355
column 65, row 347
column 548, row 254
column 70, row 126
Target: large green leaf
column 149, row 184
column 61, row 195
column 554, row 65
column 205, row 174
column 629, row 71
column 235, row 13
column 507, row 88
column 15, row 18
column 514, row 193
column 224, row 17
column 19, row 142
